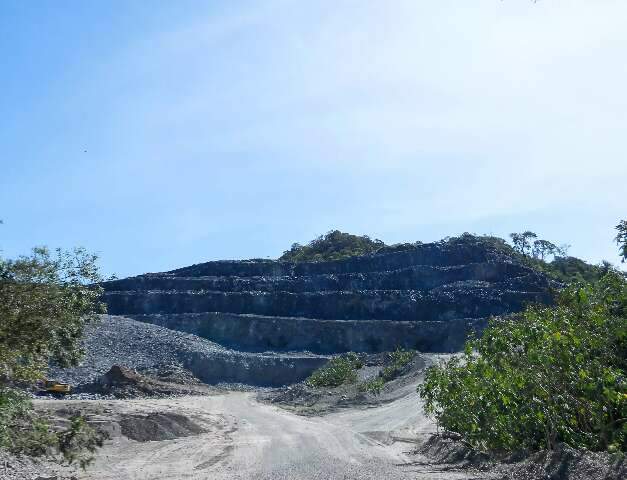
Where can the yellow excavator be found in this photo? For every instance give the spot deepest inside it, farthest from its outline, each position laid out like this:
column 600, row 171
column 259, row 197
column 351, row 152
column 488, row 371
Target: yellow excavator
column 55, row 387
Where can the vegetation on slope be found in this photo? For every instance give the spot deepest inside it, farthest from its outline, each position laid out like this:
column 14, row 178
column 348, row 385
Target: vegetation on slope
column 342, row 370
column 338, row 371
column 540, row 255
column 398, row 360
column 545, row 376
column 335, row 245
column 45, row 302
column 537, row 253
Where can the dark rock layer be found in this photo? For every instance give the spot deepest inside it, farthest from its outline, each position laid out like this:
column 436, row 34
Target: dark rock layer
column 255, row 333
column 427, row 297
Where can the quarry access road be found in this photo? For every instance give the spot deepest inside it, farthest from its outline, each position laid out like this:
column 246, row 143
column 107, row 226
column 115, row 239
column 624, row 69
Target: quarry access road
column 246, row 439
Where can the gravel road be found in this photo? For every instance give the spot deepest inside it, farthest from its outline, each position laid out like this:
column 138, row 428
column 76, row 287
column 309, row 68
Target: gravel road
column 246, row 439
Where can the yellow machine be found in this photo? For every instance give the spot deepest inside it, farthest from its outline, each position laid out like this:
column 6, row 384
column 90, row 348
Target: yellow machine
column 55, row 387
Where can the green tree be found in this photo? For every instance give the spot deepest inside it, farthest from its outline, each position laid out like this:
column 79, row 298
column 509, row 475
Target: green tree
column 522, row 241
column 543, row 248
column 621, row 239
column 46, row 300
column 547, row 375
column 335, row 245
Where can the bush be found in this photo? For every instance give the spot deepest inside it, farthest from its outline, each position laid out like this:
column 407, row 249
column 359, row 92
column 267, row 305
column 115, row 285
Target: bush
column 374, row 385
column 547, row 375
column 46, row 300
column 338, row 371
column 335, row 245
column 24, row 432
column 399, row 359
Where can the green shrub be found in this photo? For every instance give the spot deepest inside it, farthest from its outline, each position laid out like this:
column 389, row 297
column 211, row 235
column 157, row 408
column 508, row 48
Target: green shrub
column 547, row 375
column 46, row 300
column 336, row 372
column 355, row 359
column 398, row 360
column 374, row 385
column 13, row 405
column 77, row 443
column 22, row 431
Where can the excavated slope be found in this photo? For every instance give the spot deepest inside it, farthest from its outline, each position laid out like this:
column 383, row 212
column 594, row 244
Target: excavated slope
column 427, row 297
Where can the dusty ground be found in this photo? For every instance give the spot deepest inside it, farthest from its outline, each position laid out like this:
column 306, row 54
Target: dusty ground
column 305, row 400
column 242, row 435
column 235, row 435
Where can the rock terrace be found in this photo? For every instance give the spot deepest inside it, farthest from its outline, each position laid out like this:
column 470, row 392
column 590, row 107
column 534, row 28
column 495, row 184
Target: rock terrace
column 427, row 297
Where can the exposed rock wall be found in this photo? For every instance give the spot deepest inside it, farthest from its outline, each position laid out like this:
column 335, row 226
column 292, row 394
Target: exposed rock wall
column 255, row 333
column 456, row 301
column 427, row 297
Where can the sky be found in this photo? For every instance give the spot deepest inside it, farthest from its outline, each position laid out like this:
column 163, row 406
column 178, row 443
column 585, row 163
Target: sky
column 161, row 134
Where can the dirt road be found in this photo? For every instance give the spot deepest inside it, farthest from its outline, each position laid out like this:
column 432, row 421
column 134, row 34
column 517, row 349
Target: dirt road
column 246, row 439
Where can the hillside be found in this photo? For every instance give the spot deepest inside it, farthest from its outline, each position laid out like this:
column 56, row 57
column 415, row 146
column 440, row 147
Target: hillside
column 420, row 296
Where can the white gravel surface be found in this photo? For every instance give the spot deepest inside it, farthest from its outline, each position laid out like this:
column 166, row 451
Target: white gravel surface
column 248, row 440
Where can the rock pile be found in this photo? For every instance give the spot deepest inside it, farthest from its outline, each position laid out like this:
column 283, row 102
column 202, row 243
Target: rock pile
column 160, row 352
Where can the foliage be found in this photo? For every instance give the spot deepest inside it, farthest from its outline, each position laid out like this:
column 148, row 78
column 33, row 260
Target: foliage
column 355, row 359
column 79, row 441
column 621, row 239
column 13, row 405
column 24, row 432
column 569, row 270
column 335, row 245
column 547, row 375
column 522, row 241
column 397, row 360
column 373, row 385
column 45, row 302
column 336, row 372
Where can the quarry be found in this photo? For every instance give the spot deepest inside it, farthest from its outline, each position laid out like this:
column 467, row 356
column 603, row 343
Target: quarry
column 205, row 371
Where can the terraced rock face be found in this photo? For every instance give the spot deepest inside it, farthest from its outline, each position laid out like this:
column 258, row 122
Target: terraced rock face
column 426, row 297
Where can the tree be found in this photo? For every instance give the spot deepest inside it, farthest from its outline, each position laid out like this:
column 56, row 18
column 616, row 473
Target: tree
column 543, row 248
column 522, row 241
column 46, row 300
column 621, row 239
column 548, row 375
column 335, row 245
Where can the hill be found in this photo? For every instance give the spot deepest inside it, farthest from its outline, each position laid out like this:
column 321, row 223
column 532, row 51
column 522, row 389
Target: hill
column 418, row 296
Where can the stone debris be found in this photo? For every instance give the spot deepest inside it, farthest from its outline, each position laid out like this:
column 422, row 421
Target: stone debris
column 153, row 351
column 20, row 467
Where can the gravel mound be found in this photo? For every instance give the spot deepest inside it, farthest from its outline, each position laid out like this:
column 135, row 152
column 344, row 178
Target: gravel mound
column 304, row 399
column 124, row 382
column 117, row 340
column 158, row 426
column 14, row 467
column 143, row 347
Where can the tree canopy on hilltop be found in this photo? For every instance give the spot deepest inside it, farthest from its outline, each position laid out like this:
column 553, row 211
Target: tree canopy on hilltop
column 335, row 245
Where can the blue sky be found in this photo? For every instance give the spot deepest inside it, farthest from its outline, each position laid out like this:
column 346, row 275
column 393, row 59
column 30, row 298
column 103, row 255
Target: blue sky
column 161, row 134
